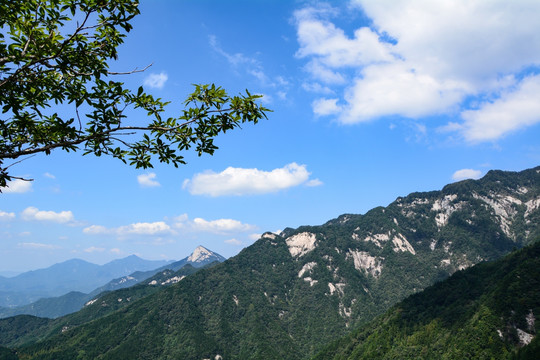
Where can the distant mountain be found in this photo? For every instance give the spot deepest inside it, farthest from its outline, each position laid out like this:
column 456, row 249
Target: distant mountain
column 290, row 294
column 200, row 257
column 53, row 307
column 489, row 311
column 7, row 274
column 17, row 330
column 71, row 275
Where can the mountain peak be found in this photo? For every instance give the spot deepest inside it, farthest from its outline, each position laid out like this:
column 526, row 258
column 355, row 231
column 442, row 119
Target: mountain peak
column 202, row 254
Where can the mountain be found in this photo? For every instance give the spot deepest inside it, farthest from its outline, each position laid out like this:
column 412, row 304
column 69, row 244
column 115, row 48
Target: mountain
column 53, row 307
column 200, row 257
column 290, row 294
column 485, row 312
column 17, row 330
column 49, row 307
column 71, row 275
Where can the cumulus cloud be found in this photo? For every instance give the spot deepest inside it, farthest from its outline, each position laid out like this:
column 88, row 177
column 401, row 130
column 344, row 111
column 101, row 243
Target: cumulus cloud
column 466, row 174
column 156, row 81
column 513, row 110
column 33, row 214
column 6, row 216
column 160, row 232
column 148, row 180
column 140, row 228
column 17, row 186
column 240, row 181
column 218, row 226
column 96, row 229
column 418, row 59
column 323, row 107
column 143, row 228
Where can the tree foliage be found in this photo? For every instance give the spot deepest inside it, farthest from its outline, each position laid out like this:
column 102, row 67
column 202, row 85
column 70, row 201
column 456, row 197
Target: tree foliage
column 54, row 59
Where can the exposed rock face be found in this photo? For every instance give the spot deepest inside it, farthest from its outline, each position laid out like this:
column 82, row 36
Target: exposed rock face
column 301, row 244
column 364, row 261
column 200, row 254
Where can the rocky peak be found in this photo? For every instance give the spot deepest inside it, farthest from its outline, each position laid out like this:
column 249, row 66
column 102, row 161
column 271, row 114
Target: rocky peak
column 200, row 254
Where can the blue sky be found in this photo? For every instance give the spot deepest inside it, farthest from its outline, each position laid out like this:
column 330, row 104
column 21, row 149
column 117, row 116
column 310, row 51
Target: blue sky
column 371, row 101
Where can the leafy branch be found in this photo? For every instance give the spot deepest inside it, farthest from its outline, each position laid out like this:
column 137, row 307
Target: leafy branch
column 43, row 65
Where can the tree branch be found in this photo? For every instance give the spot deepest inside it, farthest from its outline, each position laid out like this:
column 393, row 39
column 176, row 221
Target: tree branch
column 29, row 151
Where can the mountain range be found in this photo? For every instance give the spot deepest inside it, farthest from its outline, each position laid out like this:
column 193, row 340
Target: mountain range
column 291, row 294
column 71, row 275
column 53, row 307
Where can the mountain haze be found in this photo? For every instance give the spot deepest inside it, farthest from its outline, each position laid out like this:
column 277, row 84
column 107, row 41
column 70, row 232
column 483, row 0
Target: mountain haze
column 289, row 294
column 53, row 307
column 70, row 275
column 20, row 329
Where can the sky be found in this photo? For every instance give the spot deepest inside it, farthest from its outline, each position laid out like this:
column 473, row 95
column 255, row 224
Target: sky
column 370, row 100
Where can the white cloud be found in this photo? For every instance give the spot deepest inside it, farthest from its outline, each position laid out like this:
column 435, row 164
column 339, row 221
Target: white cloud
column 324, row 73
column 5, row 216
column 240, row 181
column 314, row 182
column 319, row 37
column 141, row 228
column 466, row 174
column 323, row 107
column 144, row 228
column 423, row 58
column 115, row 251
column 96, row 229
column 396, row 89
column 218, row 226
column 255, row 236
column 62, row 217
column 33, row 245
column 156, row 81
column 233, row 242
column 49, row 175
column 315, row 87
column 514, row 110
column 17, row 186
column 148, row 180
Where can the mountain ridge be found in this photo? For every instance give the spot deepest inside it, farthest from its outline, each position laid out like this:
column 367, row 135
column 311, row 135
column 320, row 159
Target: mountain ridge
column 288, row 295
column 53, row 307
column 69, row 275
column 487, row 311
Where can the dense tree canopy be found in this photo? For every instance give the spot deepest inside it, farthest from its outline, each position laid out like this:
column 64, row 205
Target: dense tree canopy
column 54, row 60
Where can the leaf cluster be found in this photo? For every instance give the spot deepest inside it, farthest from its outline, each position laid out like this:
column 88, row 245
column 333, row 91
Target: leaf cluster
column 54, row 60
